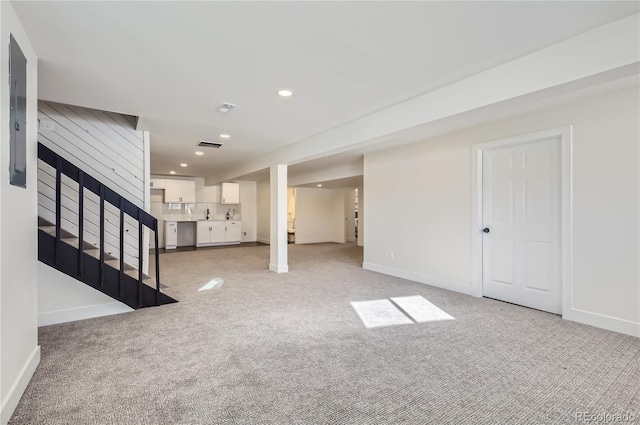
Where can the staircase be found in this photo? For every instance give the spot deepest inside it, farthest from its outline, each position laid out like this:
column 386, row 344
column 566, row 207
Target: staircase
column 73, row 255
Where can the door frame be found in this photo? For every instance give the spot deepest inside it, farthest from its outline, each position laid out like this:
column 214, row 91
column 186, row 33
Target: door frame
column 565, row 135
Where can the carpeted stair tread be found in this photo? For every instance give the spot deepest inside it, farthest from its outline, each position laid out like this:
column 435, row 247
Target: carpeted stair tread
column 115, row 263
column 52, row 231
column 71, row 239
column 94, row 251
column 44, row 222
column 85, row 245
column 134, row 274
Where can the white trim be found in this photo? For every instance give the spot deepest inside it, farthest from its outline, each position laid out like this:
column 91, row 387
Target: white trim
column 565, row 135
column 81, row 313
column 279, row 268
column 16, row 391
column 263, row 240
column 310, row 241
column 614, row 324
column 420, row 278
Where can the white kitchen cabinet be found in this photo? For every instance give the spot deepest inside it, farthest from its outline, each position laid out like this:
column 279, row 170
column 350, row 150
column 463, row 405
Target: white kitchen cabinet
column 170, row 234
column 157, row 183
column 179, row 192
column 203, row 233
column 230, row 193
column 216, row 232
column 233, row 232
column 209, row 232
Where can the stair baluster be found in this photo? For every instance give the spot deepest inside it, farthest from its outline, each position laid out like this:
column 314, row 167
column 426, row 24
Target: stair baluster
column 58, row 207
column 155, row 225
column 57, row 247
column 140, row 247
column 121, row 247
column 80, row 223
column 101, row 271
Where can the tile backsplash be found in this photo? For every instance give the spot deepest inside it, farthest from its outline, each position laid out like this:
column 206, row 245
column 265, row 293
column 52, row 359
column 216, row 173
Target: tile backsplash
column 197, row 211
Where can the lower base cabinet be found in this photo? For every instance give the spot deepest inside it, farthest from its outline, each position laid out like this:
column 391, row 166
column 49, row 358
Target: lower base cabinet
column 170, row 235
column 210, row 233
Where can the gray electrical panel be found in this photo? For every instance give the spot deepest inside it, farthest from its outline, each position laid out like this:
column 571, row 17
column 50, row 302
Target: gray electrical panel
column 17, row 115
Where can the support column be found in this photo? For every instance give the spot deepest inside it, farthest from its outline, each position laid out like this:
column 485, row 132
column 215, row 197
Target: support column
column 278, row 207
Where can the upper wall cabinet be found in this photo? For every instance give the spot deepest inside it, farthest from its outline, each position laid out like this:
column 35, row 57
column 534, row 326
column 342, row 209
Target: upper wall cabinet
column 230, row 193
column 157, row 183
column 179, row 191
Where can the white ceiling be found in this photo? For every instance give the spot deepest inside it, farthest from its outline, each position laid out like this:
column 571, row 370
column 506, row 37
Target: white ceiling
column 174, row 63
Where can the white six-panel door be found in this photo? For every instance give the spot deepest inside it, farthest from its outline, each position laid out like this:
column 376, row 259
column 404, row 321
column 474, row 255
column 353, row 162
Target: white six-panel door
column 521, row 220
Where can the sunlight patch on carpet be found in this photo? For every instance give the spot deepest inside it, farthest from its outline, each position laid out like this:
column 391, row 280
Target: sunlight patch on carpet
column 420, row 309
column 216, row 282
column 379, row 313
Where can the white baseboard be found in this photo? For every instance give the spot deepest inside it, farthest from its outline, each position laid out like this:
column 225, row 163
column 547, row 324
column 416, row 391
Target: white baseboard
column 279, row 268
column 421, row 278
column 609, row 323
column 80, row 313
column 267, row 241
column 308, row 241
column 614, row 324
column 17, row 389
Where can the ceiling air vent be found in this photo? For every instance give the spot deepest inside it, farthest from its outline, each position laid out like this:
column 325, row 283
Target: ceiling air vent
column 207, row 144
column 226, row 107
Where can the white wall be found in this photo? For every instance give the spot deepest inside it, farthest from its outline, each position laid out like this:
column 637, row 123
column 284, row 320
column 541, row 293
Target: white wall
column 418, row 201
column 263, row 212
column 320, row 215
column 249, row 210
column 64, row 299
column 335, row 172
column 19, row 350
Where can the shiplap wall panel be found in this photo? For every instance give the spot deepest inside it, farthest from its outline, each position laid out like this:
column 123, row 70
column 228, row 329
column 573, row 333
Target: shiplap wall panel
column 97, row 128
column 90, row 143
column 99, row 157
column 106, row 146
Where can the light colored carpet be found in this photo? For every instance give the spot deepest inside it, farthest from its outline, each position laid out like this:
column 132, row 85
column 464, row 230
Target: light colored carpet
column 268, row 348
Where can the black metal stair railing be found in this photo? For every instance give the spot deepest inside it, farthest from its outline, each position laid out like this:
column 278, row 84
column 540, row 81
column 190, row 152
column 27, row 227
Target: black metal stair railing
column 85, row 181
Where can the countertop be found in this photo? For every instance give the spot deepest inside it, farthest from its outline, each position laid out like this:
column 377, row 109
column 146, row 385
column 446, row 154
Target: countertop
column 201, row 219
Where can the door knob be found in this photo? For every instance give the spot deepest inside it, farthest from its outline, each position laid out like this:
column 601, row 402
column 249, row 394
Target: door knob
column 486, row 230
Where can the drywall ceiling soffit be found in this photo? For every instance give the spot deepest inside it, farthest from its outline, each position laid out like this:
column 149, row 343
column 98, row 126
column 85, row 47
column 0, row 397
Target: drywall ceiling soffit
column 346, row 183
column 173, row 63
column 616, row 45
column 349, row 163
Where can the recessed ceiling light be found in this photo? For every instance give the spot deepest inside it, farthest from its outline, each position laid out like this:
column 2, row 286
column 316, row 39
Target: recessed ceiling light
column 285, row 93
column 319, row 185
column 225, row 136
column 183, row 165
column 199, row 153
column 226, row 107
column 172, row 172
